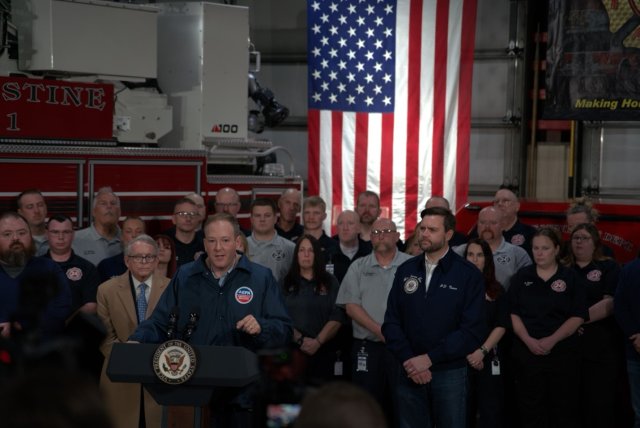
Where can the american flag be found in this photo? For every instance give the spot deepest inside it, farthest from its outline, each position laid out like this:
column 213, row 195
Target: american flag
column 390, row 102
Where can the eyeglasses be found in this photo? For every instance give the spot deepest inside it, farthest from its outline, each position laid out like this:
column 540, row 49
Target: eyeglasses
column 144, row 259
column 380, row 232
column 580, row 238
column 189, row 214
column 61, row 232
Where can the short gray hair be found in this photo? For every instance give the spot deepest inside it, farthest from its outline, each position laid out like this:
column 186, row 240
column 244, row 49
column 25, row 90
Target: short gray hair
column 146, row 239
column 106, row 190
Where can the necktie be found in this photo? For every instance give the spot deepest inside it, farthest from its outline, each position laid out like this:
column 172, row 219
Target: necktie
column 141, row 301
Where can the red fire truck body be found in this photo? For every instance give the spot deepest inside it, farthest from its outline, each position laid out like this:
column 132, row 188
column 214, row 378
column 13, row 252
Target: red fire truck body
column 148, row 181
column 151, row 100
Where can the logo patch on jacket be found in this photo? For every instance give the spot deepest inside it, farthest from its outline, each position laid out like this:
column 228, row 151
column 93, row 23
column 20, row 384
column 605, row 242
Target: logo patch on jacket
column 559, row 286
column 244, row 295
column 503, row 259
column 594, row 275
column 411, row 284
column 74, row 274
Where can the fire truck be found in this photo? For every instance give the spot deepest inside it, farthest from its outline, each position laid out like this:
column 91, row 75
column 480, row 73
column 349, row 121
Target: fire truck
column 155, row 101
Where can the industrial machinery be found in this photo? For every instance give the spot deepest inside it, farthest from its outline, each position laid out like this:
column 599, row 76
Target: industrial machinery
column 155, row 101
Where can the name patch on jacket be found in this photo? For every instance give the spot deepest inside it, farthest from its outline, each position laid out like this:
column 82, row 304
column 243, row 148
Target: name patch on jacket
column 244, row 295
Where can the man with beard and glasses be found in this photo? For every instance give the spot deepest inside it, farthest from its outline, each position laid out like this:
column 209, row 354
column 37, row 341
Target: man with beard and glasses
column 102, row 239
column 363, row 293
column 34, row 293
column 435, row 317
column 508, row 258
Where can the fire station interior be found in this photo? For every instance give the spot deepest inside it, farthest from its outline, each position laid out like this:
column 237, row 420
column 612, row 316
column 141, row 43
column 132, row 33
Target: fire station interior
column 146, row 131
column 259, row 141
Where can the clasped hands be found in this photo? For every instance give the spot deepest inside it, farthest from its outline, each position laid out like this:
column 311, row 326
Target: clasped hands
column 417, row 369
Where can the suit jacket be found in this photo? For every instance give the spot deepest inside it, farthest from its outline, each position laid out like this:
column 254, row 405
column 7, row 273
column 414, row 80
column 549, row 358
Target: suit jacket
column 117, row 310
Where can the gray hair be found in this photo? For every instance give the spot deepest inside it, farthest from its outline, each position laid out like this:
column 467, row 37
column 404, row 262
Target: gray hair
column 106, row 190
column 145, row 239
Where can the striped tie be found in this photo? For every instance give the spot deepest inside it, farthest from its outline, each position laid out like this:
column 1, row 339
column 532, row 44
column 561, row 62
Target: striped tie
column 141, row 302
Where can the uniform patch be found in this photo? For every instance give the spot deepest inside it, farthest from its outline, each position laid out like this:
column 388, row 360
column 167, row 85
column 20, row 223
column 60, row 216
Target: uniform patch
column 244, row 295
column 278, row 255
column 517, row 239
column 74, row 274
column 559, row 286
column 594, row 275
column 503, row 259
column 411, row 285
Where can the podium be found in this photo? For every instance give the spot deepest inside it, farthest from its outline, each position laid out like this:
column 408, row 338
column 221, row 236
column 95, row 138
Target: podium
column 217, row 366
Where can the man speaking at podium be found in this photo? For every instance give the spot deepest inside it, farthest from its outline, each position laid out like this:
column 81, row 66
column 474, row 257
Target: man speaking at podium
column 222, row 299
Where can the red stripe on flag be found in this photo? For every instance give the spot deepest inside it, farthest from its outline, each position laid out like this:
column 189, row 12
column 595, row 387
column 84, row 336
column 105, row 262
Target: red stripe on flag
column 386, row 162
column 360, row 155
column 439, row 96
column 413, row 114
column 336, row 160
column 313, row 123
column 464, row 102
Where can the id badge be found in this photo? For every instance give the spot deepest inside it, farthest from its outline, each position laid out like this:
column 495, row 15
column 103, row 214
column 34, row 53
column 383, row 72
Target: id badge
column 337, row 368
column 330, row 268
column 495, row 367
column 362, row 356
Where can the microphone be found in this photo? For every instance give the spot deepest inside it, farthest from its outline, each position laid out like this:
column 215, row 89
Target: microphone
column 194, row 316
column 173, row 323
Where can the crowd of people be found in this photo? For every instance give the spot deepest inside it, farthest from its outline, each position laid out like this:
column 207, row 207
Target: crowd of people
column 506, row 326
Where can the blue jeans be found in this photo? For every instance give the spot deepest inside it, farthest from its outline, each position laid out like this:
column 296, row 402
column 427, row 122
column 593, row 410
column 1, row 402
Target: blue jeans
column 633, row 370
column 441, row 403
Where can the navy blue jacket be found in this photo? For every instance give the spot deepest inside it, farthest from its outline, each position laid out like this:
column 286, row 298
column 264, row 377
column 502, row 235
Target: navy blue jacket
column 82, row 277
column 447, row 322
column 37, row 271
column 627, row 305
column 249, row 289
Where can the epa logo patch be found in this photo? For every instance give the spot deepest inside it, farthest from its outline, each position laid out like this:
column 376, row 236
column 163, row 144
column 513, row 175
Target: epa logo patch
column 244, row 295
